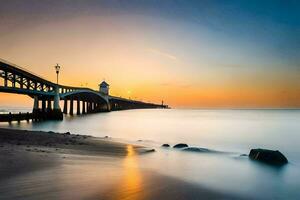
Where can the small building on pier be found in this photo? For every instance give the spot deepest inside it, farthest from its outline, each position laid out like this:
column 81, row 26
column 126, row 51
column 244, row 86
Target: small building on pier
column 104, row 88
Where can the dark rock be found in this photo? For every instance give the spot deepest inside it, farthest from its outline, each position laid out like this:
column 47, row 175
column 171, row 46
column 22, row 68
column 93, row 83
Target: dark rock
column 68, row 133
column 150, row 150
column 197, row 149
column 180, row 145
column 165, row 145
column 268, row 156
column 242, row 155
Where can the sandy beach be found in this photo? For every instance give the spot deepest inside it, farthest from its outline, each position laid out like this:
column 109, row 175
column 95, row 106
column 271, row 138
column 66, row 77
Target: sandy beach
column 48, row 165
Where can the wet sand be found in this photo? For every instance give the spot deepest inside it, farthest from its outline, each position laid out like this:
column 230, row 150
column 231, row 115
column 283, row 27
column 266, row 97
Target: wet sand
column 48, row 165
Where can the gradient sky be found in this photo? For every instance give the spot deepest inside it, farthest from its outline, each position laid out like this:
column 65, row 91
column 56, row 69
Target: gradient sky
column 190, row 53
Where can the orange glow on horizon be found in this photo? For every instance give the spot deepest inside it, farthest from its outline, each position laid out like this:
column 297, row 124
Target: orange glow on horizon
column 192, row 97
column 149, row 68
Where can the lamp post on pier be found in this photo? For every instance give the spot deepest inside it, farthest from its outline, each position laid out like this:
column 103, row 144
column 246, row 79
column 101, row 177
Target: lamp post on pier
column 57, row 114
column 57, row 68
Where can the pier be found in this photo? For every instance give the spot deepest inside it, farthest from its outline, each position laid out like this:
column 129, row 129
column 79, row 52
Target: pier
column 47, row 95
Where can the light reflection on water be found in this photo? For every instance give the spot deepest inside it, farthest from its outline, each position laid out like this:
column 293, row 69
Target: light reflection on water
column 80, row 177
column 130, row 185
column 234, row 131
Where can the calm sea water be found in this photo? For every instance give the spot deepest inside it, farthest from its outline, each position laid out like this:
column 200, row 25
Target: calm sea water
column 234, row 132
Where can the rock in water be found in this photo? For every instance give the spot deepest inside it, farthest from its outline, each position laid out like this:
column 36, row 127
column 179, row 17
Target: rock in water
column 150, row 150
column 268, row 156
column 165, row 145
column 147, row 151
column 197, row 149
column 180, row 145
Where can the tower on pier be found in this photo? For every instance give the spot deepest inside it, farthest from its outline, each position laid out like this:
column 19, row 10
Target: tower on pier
column 104, row 87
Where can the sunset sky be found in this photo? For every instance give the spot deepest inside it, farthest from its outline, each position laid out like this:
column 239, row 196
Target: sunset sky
column 190, row 53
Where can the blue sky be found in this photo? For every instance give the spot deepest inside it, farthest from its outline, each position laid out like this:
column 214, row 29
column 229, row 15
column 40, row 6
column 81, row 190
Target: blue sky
column 207, row 45
column 272, row 25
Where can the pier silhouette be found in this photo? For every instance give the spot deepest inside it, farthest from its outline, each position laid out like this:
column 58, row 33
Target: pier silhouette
column 47, row 96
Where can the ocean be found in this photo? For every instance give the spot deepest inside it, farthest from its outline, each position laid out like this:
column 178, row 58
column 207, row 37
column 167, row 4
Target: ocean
column 230, row 132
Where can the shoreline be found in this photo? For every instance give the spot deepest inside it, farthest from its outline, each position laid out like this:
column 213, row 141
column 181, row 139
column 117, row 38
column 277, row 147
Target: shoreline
column 66, row 142
column 83, row 167
column 23, row 151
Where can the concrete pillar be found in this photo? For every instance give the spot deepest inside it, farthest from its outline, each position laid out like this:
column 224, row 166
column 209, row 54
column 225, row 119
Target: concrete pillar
column 36, row 103
column 66, row 106
column 49, row 106
column 56, row 100
column 43, row 105
column 92, row 106
column 78, row 107
column 89, row 107
column 83, row 107
column 96, row 107
column 71, row 106
column 56, row 114
column 108, row 106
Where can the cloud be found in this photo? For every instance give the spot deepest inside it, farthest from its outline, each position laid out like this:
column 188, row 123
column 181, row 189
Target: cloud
column 161, row 53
